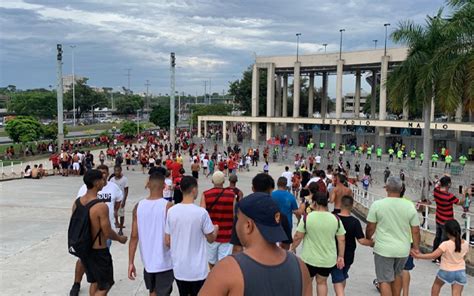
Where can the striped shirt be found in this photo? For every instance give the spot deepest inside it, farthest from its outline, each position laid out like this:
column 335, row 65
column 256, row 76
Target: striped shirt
column 444, row 205
column 222, row 212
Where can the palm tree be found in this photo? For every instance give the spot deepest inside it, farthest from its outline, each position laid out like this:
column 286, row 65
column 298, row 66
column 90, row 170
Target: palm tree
column 439, row 67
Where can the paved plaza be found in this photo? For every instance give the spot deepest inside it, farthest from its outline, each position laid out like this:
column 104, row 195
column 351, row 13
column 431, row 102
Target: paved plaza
column 34, row 216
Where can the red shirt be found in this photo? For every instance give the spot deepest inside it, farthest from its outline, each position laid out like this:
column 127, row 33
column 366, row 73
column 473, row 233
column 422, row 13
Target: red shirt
column 54, row 159
column 222, row 212
column 221, row 166
column 444, row 205
column 175, row 167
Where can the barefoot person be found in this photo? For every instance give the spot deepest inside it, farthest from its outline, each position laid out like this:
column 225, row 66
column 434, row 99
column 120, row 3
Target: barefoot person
column 340, row 190
column 98, row 262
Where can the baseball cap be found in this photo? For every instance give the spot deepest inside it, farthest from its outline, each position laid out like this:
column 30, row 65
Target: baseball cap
column 218, row 178
column 264, row 212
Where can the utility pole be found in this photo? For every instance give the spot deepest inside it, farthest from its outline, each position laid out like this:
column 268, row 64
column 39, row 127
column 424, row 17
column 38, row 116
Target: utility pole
column 172, row 103
column 325, row 45
column 147, row 99
column 73, row 87
column 210, row 91
column 59, row 95
column 129, row 70
column 205, row 91
column 138, row 122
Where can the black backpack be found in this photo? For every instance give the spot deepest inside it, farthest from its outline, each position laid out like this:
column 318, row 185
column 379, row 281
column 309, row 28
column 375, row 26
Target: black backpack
column 79, row 232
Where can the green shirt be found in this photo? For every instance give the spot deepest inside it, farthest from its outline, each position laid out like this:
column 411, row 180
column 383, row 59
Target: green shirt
column 399, row 153
column 394, row 218
column 321, row 145
column 333, row 145
column 319, row 243
column 413, row 154
column 448, row 158
column 390, row 151
column 379, row 151
column 434, row 157
column 422, row 156
column 369, row 150
column 462, row 159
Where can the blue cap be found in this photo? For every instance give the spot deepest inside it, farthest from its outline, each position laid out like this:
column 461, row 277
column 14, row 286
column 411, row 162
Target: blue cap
column 265, row 213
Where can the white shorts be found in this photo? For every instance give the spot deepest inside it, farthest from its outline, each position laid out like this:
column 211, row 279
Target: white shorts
column 217, row 251
column 75, row 166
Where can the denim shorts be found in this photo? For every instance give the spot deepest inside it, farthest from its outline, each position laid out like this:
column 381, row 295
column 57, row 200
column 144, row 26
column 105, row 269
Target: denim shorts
column 410, row 264
column 453, row 277
column 340, row 275
column 217, row 251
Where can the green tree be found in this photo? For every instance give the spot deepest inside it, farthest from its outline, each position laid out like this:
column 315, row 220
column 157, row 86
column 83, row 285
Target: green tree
column 215, row 109
column 129, row 104
column 86, row 97
column 242, row 91
column 24, row 129
column 439, row 66
column 160, row 115
column 50, row 131
column 39, row 103
column 129, row 128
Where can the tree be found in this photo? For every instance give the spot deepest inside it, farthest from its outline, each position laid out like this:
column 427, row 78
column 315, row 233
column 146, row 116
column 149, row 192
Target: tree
column 50, row 131
column 86, row 97
column 129, row 128
column 129, row 104
column 160, row 115
column 242, row 91
column 215, row 109
column 24, row 129
column 39, row 103
column 439, row 67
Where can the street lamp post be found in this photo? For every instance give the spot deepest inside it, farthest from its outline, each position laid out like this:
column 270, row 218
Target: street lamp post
column 297, row 45
column 172, row 100
column 385, row 47
column 340, row 44
column 73, row 87
column 138, row 122
column 59, row 95
column 92, row 111
column 325, row 45
column 375, row 43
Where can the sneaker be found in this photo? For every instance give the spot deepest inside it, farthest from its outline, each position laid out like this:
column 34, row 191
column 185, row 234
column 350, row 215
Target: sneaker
column 436, row 261
column 75, row 289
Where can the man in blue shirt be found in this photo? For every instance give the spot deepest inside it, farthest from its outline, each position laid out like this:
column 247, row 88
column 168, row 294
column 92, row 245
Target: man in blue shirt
column 287, row 204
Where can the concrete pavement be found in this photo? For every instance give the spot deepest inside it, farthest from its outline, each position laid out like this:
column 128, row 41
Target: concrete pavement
column 34, row 216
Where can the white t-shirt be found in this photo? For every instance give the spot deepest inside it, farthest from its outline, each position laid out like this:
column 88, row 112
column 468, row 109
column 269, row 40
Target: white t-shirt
column 122, row 183
column 167, row 192
column 318, row 159
column 187, row 225
column 288, row 175
column 110, row 194
column 313, row 179
column 205, row 163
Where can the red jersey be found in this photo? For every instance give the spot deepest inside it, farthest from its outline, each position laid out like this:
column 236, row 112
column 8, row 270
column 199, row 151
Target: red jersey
column 175, row 167
column 222, row 211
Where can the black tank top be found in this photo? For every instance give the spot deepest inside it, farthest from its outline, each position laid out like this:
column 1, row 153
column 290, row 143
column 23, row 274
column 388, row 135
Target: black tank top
column 274, row 280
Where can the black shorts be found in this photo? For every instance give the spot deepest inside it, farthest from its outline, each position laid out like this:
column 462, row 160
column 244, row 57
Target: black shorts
column 189, row 288
column 64, row 165
column 321, row 271
column 55, row 166
column 99, row 268
column 285, row 224
column 195, row 174
column 127, row 161
column 159, row 282
column 336, row 211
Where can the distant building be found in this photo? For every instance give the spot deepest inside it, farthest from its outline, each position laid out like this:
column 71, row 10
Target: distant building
column 67, row 81
column 349, row 102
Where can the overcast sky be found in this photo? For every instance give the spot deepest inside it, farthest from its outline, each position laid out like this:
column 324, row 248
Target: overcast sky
column 213, row 39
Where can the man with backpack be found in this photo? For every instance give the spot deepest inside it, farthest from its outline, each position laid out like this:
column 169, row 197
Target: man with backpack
column 89, row 230
column 112, row 196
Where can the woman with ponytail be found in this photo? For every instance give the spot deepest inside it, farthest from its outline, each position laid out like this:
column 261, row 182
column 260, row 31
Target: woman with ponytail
column 452, row 269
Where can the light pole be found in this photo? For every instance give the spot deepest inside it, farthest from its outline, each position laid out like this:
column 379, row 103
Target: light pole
column 59, row 96
column 73, row 87
column 375, row 43
column 297, row 45
column 325, row 45
column 340, row 44
column 138, row 122
column 172, row 103
column 385, row 47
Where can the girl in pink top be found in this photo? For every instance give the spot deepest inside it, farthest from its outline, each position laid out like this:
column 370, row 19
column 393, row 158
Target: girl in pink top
column 452, row 269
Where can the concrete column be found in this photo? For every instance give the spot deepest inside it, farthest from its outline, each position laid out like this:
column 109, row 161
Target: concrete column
column 205, row 128
column 405, row 110
column 383, row 88
column 357, row 95
column 284, row 109
column 224, row 132
column 296, row 93
column 271, row 90
column 324, row 101
column 458, row 118
column 311, row 95
column 340, row 71
column 255, row 132
column 278, row 96
column 199, row 128
column 373, row 99
column 255, row 90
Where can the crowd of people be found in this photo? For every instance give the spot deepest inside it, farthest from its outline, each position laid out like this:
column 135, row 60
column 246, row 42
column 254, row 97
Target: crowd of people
column 246, row 243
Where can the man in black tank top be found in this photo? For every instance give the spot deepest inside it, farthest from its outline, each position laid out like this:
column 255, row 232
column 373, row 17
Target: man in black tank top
column 262, row 268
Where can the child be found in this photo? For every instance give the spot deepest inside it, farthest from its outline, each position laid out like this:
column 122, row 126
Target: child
column 452, row 269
